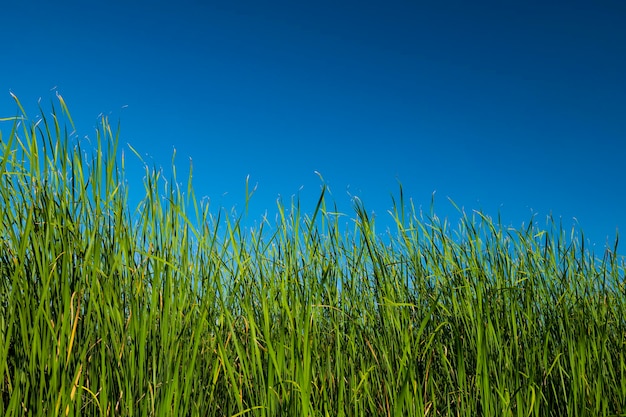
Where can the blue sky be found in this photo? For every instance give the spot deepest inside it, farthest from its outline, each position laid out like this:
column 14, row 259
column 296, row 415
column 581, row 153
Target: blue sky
column 507, row 107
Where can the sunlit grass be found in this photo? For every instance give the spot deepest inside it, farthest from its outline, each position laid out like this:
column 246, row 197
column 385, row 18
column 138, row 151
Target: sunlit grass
column 173, row 309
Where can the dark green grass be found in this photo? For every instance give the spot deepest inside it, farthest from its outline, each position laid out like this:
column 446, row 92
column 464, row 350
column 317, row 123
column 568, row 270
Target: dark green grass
column 171, row 309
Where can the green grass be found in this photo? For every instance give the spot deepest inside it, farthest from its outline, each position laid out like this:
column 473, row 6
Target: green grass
column 175, row 310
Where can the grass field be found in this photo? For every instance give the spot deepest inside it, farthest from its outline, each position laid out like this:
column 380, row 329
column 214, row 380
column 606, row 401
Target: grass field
column 175, row 310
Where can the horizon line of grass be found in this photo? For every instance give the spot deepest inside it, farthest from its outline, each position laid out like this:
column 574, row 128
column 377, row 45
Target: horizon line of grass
column 171, row 310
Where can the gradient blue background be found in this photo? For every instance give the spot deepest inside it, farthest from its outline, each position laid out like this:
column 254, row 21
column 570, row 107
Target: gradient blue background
column 507, row 107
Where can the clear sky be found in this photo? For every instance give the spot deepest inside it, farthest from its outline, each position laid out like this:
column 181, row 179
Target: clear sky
column 507, row 107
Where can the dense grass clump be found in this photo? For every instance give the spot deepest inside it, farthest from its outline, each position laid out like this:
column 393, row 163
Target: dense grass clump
column 171, row 310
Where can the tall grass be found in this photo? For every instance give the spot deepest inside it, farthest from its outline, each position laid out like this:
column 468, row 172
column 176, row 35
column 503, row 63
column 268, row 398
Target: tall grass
column 173, row 309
